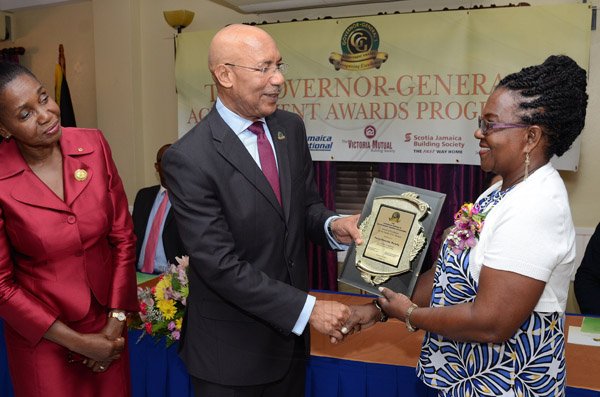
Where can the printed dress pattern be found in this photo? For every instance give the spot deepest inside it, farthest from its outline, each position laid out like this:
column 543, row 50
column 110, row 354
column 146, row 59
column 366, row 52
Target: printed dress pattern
column 531, row 363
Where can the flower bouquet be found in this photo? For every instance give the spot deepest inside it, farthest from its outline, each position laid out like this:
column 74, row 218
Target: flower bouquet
column 162, row 306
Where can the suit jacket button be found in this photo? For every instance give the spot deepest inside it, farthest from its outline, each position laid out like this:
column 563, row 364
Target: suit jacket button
column 291, row 263
column 71, row 219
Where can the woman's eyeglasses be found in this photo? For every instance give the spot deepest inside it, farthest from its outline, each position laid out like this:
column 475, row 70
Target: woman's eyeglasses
column 487, row 126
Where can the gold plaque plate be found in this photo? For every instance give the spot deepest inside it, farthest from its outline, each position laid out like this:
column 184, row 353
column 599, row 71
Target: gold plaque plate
column 393, row 236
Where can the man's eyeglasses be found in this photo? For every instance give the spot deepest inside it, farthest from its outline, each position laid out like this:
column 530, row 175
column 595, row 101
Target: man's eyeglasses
column 281, row 67
column 487, row 126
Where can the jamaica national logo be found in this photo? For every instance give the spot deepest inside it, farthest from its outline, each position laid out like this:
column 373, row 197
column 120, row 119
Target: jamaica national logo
column 360, row 43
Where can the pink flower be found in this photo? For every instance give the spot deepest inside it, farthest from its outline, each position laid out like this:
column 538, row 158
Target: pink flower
column 468, row 222
column 171, row 326
column 148, row 327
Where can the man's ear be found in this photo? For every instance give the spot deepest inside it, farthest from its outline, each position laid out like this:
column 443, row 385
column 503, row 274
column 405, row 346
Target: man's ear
column 224, row 75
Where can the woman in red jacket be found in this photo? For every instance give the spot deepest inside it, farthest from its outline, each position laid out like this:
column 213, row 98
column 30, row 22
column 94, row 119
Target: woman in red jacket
column 67, row 249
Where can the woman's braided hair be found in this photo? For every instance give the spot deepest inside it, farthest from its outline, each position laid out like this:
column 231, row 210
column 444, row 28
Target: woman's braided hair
column 554, row 98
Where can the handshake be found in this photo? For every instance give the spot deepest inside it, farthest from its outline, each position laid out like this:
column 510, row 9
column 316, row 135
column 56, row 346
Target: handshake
column 338, row 320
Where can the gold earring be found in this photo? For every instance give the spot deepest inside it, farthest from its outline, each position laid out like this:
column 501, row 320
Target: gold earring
column 527, row 162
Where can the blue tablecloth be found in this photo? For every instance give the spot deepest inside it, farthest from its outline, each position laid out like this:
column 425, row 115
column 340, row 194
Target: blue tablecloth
column 5, row 384
column 157, row 371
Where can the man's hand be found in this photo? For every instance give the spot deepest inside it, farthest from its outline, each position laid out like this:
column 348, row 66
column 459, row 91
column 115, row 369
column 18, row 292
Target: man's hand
column 345, row 230
column 328, row 317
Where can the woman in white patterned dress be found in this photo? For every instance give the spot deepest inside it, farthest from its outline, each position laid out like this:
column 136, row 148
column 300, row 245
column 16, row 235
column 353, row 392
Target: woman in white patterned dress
column 493, row 306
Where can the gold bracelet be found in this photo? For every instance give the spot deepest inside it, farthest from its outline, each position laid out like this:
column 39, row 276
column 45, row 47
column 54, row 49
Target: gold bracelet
column 409, row 327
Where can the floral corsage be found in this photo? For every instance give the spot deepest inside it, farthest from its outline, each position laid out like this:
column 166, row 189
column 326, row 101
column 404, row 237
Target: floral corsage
column 468, row 222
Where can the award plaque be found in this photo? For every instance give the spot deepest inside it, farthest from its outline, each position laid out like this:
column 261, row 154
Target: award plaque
column 397, row 224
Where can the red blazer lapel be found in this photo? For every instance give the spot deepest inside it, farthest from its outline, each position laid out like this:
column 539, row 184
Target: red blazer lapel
column 27, row 187
column 76, row 174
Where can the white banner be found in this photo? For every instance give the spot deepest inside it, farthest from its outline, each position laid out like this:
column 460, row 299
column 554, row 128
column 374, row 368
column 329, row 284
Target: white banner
column 402, row 87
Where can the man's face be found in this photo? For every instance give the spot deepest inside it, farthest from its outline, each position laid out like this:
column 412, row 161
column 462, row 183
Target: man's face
column 254, row 93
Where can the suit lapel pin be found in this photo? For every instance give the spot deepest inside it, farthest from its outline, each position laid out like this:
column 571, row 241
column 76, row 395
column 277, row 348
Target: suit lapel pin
column 280, row 136
column 80, row 175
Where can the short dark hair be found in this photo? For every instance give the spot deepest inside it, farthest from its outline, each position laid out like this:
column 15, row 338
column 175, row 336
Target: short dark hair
column 554, row 98
column 9, row 71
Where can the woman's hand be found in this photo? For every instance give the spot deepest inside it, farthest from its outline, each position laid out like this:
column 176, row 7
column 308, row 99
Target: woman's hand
column 112, row 330
column 98, row 349
column 394, row 304
column 361, row 317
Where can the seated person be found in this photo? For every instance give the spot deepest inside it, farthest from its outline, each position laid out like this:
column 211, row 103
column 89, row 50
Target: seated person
column 155, row 251
column 587, row 278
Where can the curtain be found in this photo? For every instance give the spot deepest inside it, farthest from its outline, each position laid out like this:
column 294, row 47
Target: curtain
column 460, row 183
column 322, row 262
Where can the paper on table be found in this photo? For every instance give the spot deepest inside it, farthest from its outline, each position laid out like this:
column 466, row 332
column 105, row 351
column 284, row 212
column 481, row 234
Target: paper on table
column 579, row 338
column 591, row 325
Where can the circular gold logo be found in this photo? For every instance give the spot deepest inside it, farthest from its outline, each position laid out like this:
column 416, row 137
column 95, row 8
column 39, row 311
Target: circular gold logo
column 81, row 175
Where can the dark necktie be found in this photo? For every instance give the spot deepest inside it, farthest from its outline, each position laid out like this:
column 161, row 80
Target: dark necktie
column 266, row 157
column 153, row 236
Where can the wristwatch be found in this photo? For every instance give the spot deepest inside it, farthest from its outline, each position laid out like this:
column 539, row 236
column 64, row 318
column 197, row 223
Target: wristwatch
column 121, row 316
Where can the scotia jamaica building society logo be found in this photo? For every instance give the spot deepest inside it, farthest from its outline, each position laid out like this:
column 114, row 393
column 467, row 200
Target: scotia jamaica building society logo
column 360, row 42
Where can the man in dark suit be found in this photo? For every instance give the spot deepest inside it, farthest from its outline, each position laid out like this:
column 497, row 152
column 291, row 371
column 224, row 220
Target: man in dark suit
column 145, row 207
column 245, row 199
column 587, row 278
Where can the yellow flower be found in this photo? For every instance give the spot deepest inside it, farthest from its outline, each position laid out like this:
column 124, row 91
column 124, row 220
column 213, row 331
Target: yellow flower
column 167, row 308
column 161, row 286
column 178, row 323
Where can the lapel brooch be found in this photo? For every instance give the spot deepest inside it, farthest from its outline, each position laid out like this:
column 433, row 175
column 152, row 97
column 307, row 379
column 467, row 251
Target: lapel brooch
column 80, row 175
column 280, row 136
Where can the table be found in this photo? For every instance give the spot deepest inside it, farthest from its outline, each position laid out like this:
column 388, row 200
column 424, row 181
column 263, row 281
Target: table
column 383, row 358
column 378, row 362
